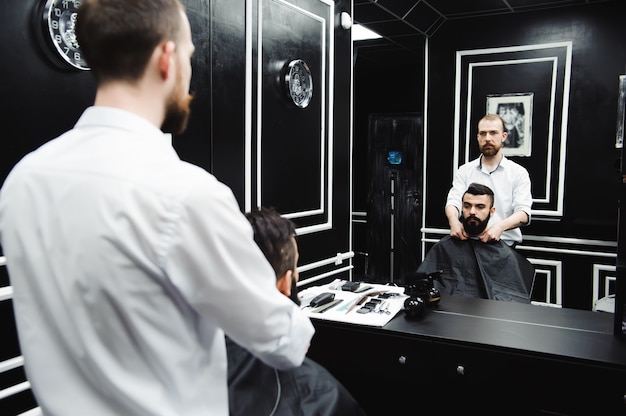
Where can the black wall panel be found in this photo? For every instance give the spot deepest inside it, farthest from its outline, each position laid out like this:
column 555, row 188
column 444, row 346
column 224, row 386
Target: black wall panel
column 39, row 98
column 292, row 142
column 195, row 145
column 226, row 60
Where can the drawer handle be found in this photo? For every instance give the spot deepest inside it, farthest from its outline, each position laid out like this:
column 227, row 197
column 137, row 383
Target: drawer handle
column 460, row 370
column 402, row 360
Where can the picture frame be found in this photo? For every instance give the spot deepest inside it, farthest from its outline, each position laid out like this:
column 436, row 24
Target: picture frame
column 621, row 104
column 516, row 110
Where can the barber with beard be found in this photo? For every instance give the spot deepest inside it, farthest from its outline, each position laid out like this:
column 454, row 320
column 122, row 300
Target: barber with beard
column 509, row 181
column 479, row 266
column 128, row 264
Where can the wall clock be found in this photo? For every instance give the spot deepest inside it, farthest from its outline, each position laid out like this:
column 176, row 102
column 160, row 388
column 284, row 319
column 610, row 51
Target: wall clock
column 299, row 83
column 59, row 23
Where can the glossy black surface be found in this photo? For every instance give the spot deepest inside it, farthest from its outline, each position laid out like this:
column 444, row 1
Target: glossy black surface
column 475, row 355
column 563, row 333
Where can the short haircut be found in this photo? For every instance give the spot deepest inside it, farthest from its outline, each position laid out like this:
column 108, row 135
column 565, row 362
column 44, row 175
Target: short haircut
column 479, row 189
column 274, row 234
column 493, row 117
column 118, row 37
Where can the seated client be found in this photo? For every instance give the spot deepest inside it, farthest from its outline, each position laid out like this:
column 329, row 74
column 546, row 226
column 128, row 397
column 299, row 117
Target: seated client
column 472, row 268
column 254, row 388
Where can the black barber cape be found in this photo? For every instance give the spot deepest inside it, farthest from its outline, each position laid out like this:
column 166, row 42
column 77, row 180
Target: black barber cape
column 256, row 389
column 472, row 268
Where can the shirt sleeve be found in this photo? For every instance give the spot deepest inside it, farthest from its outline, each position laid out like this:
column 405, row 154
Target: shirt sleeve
column 522, row 196
column 224, row 276
column 459, row 186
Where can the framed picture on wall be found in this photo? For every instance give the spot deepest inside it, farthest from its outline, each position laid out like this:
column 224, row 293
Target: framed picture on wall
column 621, row 103
column 516, row 111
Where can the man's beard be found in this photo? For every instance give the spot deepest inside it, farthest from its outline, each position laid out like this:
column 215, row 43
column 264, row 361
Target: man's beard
column 177, row 112
column 474, row 225
column 491, row 150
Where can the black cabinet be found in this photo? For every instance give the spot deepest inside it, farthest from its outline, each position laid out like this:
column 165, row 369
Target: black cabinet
column 383, row 374
column 484, row 378
column 508, row 364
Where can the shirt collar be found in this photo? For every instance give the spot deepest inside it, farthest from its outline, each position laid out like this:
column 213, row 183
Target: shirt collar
column 503, row 162
column 110, row 117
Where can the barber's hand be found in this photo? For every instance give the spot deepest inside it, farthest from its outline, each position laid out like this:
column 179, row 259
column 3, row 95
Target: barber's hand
column 457, row 231
column 490, row 234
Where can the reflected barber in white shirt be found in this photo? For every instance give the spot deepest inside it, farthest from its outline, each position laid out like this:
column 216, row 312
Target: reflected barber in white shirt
column 128, row 265
column 509, row 181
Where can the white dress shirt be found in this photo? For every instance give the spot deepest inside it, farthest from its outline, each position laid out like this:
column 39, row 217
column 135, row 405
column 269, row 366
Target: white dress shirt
column 128, row 265
column 510, row 184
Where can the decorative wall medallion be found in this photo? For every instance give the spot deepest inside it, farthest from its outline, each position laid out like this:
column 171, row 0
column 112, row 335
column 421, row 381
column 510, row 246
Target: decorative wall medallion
column 299, row 83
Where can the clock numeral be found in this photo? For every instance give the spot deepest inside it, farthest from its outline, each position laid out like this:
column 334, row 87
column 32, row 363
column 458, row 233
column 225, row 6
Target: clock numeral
column 60, row 20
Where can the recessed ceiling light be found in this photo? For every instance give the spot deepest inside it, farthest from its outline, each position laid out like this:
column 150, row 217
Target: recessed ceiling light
column 362, row 33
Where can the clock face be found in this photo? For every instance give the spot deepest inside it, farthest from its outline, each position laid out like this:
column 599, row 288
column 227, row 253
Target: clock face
column 299, row 83
column 60, row 23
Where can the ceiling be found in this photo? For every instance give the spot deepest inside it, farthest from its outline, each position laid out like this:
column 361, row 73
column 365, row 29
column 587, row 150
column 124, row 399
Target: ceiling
column 405, row 23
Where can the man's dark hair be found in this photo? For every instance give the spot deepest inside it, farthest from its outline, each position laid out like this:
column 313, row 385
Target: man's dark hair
column 118, row 37
column 273, row 234
column 480, row 189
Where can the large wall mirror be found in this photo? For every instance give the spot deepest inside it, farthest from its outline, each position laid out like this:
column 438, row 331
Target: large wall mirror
column 560, row 61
